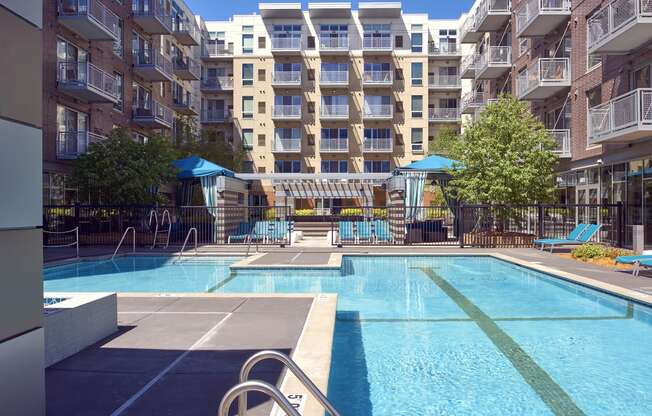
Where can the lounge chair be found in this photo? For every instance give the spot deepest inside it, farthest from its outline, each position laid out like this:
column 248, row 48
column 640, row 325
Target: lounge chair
column 242, row 233
column 279, row 230
column 638, row 260
column 382, row 232
column 573, row 235
column 345, row 231
column 639, row 264
column 583, row 238
column 261, row 231
column 363, row 231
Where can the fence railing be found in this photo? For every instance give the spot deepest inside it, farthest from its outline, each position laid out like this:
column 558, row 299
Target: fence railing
column 334, row 145
column 377, row 111
column 153, row 111
column 286, row 77
column 608, row 20
column 186, row 63
column 150, row 58
column 470, row 63
column 531, row 9
column 474, row 100
column 330, row 41
column 152, row 8
column 377, row 77
column 291, row 111
column 563, row 141
column 624, row 112
column 495, row 55
column 488, row 7
column 370, row 42
column 93, row 9
column 87, row 74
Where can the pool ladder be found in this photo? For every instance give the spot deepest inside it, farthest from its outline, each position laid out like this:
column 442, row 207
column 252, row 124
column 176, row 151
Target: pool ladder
column 240, row 390
column 159, row 230
column 190, row 231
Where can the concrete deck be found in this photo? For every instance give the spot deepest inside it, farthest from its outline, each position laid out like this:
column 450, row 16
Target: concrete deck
column 177, row 355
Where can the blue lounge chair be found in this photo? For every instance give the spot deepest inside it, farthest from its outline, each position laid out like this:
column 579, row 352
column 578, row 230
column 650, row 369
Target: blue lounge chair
column 584, row 237
column 242, row 232
column 573, row 235
column 279, row 230
column 639, row 260
column 363, row 231
column 261, row 231
column 345, row 231
column 381, row 231
column 639, row 264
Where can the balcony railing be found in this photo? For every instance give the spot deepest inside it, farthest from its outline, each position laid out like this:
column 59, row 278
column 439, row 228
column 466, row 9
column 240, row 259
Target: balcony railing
column 153, row 113
column 378, row 110
column 280, row 43
column 562, row 138
column 330, row 42
column 215, row 116
column 540, row 17
column 469, row 65
column 144, row 60
column 377, row 78
column 86, row 75
column 492, row 7
column 216, row 50
column 334, row 145
column 286, row 144
column 473, row 100
column 371, row 43
column 186, row 68
column 334, row 78
column 444, row 114
column 286, row 111
column 71, row 144
column 444, row 81
column 495, row 55
column 548, row 75
column 95, row 13
column 286, row 78
column 468, row 32
column 334, row 111
column 609, row 22
column 186, row 32
column 627, row 117
column 444, row 49
column 218, row 84
column 151, row 16
column 377, row 144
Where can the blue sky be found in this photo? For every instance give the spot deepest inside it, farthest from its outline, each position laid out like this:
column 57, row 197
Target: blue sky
column 223, row 9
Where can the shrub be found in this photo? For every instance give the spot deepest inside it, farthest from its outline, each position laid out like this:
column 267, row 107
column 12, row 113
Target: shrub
column 270, row 214
column 613, row 252
column 380, row 212
column 304, row 212
column 589, row 251
column 351, row 212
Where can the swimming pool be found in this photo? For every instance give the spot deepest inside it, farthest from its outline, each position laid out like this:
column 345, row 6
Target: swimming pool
column 440, row 335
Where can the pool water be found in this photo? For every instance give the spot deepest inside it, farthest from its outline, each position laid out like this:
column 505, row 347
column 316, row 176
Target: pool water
column 440, row 335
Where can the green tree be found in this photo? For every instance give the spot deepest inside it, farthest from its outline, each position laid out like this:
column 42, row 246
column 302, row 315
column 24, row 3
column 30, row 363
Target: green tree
column 506, row 157
column 120, row 170
column 444, row 141
column 210, row 144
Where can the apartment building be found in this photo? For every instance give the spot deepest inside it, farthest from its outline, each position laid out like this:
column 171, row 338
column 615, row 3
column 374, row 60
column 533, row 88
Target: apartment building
column 22, row 351
column 113, row 63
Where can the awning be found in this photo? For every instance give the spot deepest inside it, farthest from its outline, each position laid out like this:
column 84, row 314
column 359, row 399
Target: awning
column 196, row 167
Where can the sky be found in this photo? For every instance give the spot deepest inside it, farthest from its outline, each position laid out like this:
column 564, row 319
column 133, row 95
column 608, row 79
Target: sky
column 223, row 9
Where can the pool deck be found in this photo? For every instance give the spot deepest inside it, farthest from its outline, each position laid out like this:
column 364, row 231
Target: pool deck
column 179, row 354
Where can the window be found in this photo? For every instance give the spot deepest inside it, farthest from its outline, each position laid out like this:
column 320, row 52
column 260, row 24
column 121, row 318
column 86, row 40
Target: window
column 247, row 74
column 287, row 166
column 334, row 166
column 261, row 107
column 641, row 78
column 261, row 140
column 417, row 73
column 594, row 96
column 417, row 140
column 592, row 61
column 448, row 40
column 247, row 107
column 398, row 41
column 417, row 38
column 247, row 39
column 311, row 42
column 247, row 139
column 261, row 42
column 261, row 75
column 69, row 124
column 376, row 36
column 68, row 58
column 118, row 48
column 120, row 90
column 417, row 106
column 376, row 166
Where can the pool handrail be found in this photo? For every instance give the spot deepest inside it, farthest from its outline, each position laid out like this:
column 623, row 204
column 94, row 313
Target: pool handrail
column 185, row 242
column 261, row 387
column 124, row 235
column 294, row 369
column 74, row 243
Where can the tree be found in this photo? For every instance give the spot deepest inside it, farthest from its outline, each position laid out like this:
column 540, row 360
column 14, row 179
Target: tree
column 120, row 170
column 210, row 144
column 506, row 157
column 446, row 138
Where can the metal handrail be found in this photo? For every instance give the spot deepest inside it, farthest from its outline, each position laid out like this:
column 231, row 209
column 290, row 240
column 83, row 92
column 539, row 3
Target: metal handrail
column 124, row 235
column 251, row 233
column 261, row 387
column 293, row 367
column 186, row 242
column 75, row 243
column 154, row 214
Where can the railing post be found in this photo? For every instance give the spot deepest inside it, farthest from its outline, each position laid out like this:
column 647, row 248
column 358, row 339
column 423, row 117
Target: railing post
column 460, row 224
column 540, row 212
column 77, row 214
column 620, row 226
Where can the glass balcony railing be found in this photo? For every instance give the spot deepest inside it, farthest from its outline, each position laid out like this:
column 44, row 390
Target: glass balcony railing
column 334, row 111
column 280, row 43
column 153, row 113
column 377, row 42
column 286, row 78
column 444, row 81
column 607, row 24
column 530, row 10
column 495, row 56
column 85, row 74
column 152, row 59
column 562, row 139
column 186, row 67
column 286, row 144
column 377, row 77
column 550, row 73
column 334, row 77
column 96, row 13
column 215, row 116
column 216, row 50
column 378, row 110
column 443, row 114
column 286, row 111
column 473, row 100
column 186, row 31
column 218, row 84
column 151, row 16
column 627, row 117
column 469, row 65
column 334, row 42
column 377, row 144
column 71, row 144
column 334, row 145
column 488, row 7
column 444, row 49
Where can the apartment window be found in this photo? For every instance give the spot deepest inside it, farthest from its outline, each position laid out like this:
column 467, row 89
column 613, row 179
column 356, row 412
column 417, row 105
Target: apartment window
column 594, row 96
column 334, row 166
column 417, row 140
column 417, row 38
column 311, row 42
column 69, row 124
column 417, row 106
column 247, row 74
column 261, row 107
column 261, row 42
column 334, row 134
column 287, row 166
column 448, row 40
column 261, row 140
column 261, row 75
column 247, row 39
column 641, row 77
column 593, row 60
column 398, row 41
column 119, row 86
column 68, row 56
column 376, row 166
column 377, row 35
column 247, row 107
column 247, row 139
column 118, row 47
column 417, row 73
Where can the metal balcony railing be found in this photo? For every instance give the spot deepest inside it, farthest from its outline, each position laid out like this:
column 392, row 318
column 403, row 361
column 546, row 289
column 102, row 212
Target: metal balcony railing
column 443, row 114
column 291, row 111
column 88, row 75
column 286, row 144
column 286, row 77
column 376, row 42
column 444, row 49
column 71, row 144
column 377, row 144
column 215, row 116
column 215, row 50
column 469, row 25
column 632, row 110
column 286, row 43
column 152, row 8
column 495, row 55
column 562, row 138
column 182, row 100
column 470, row 63
column 334, row 145
column 334, row 77
column 186, row 63
column 377, row 77
column 544, row 72
column 185, row 25
column 474, row 99
column 378, row 110
column 492, row 6
column 219, row 83
column 529, row 10
column 334, row 42
column 153, row 59
column 94, row 10
column 444, row 81
column 334, row 111
column 153, row 112
column 608, row 20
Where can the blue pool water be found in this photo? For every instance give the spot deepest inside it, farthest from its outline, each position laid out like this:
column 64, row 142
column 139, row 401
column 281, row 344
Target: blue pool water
column 440, row 335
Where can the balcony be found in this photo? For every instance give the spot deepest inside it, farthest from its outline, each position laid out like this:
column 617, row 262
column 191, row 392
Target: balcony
column 209, row 85
column 469, row 66
column 149, row 15
column 186, row 32
column 444, row 115
column 286, row 45
column 378, row 112
column 469, row 32
column 286, row 79
column 377, row 145
column 216, row 51
column 152, row 66
column 286, row 112
column 186, row 68
column 444, row 51
column 334, row 145
column 86, row 82
column 334, row 79
column 377, row 78
column 536, row 18
column 286, row 145
column 71, row 144
column 90, row 19
column 334, row 112
column 492, row 15
column 624, row 119
column 620, row 27
column 444, row 82
column 494, row 62
column 377, row 44
column 334, row 44
column 153, row 115
column 544, row 79
column 183, row 105
column 473, row 101
column 562, row 138
column 215, row 116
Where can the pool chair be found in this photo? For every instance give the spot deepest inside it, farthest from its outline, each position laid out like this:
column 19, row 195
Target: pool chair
column 573, row 235
column 639, row 260
column 584, row 237
column 381, row 231
column 241, row 233
column 279, row 231
column 345, row 231
column 261, row 232
column 363, row 231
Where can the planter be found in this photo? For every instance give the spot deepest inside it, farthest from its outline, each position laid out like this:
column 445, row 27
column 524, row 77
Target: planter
column 497, row 239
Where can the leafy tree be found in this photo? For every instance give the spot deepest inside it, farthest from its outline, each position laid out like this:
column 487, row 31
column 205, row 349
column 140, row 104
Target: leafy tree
column 446, row 138
column 120, row 170
column 210, row 144
column 506, row 157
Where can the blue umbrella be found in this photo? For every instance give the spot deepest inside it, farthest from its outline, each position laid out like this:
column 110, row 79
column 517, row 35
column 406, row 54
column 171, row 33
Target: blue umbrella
column 196, row 167
column 434, row 163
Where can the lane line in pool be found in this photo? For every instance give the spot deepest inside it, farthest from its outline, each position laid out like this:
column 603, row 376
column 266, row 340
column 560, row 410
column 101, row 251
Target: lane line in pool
column 548, row 390
column 232, row 275
column 534, row 318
